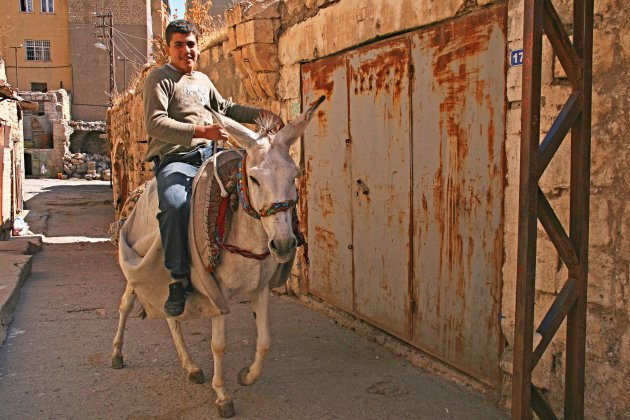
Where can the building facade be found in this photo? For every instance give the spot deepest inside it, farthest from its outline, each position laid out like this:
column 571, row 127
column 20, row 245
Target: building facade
column 63, row 44
column 37, row 35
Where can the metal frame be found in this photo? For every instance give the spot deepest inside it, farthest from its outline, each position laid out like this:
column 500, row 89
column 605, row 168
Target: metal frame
column 576, row 59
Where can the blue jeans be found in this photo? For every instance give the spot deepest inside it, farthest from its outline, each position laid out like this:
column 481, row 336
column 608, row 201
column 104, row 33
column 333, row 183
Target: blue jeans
column 174, row 182
column 174, row 191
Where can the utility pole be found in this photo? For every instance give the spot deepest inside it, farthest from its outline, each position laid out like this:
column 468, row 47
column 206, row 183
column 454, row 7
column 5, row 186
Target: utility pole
column 124, row 60
column 17, row 78
column 110, row 26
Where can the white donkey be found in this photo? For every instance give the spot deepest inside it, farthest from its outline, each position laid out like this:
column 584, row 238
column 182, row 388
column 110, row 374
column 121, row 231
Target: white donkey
column 261, row 226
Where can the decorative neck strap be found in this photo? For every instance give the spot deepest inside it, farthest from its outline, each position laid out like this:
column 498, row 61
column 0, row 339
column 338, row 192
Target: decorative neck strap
column 243, row 192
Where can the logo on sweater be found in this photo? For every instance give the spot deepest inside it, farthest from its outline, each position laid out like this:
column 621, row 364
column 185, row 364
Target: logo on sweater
column 194, row 95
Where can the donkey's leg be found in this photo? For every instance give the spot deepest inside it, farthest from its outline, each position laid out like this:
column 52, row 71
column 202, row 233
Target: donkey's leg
column 195, row 375
column 126, row 305
column 260, row 305
column 223, row 402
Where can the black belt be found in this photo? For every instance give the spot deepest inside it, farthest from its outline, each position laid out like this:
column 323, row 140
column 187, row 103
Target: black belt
column 194, row 157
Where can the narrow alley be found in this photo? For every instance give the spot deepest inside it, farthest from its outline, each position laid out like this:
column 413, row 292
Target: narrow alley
column 55, row 362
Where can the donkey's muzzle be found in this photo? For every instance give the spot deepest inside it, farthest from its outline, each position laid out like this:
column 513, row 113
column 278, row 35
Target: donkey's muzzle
column 283, row 249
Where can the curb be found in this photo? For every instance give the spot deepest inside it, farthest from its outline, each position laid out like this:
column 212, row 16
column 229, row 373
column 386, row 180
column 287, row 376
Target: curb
column 16, row 260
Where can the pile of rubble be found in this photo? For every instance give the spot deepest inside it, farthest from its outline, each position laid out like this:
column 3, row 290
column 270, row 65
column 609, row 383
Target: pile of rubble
column 87, row 166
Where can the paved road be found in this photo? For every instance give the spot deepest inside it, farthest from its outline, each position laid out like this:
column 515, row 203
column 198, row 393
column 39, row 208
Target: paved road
column 55, row 361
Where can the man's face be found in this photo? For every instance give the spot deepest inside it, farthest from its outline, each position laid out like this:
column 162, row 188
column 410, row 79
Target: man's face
column 183, row 51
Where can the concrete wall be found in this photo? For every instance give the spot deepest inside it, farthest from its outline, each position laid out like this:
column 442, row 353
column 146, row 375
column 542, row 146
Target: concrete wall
column 53, row 27
column 259, row 64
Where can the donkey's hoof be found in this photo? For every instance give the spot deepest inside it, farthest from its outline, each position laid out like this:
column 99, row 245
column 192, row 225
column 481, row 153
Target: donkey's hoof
column 242, row 375
column 226, row 409
column 117, row 362
column 196, row 376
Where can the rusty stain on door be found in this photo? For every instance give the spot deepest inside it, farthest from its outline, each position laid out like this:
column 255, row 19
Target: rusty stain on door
column 328, row 216
column 405, row 221
column 381, row 183
column 458, row 119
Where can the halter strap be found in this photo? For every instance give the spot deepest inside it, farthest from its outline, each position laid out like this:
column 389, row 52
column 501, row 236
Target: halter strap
column 243, row 192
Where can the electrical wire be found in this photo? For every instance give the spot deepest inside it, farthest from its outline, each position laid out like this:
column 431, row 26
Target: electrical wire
column 118, row 33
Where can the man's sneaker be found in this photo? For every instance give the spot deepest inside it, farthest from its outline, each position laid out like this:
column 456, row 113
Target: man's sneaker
column 176, row 301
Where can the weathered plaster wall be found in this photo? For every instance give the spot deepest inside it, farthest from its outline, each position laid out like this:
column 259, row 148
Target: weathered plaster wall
column 608, row 322
column 13, row 143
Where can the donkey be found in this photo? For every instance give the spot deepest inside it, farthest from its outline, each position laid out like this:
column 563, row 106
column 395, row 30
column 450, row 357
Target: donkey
column 261, row 226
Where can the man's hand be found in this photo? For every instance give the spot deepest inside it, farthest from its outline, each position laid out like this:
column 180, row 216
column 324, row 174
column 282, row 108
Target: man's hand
column 210, row 132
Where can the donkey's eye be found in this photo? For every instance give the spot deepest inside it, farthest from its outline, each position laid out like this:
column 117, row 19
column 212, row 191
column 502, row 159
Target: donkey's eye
column 254, row 180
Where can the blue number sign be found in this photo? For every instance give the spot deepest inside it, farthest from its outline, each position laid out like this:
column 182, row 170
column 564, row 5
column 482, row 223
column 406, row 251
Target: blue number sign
column 516, row 58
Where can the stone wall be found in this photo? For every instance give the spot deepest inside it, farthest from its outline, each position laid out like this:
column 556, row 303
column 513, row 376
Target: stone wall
column 48, row 162
column 128, row 137
column 259, row 64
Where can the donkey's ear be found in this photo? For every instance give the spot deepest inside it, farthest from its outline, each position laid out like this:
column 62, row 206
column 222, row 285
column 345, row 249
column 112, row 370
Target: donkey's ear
column 292, row 131
column 245, row 137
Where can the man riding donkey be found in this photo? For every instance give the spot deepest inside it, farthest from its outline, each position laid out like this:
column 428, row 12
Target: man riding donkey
column 181, row 138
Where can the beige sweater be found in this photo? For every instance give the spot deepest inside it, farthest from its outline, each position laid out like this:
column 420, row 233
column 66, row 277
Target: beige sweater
column 174, row 104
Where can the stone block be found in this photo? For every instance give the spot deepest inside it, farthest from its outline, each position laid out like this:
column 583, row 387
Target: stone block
column 513, row 124
column 231, row 42
column 600, row 233
column 269, row 82
column 264, row 10
column 514, row 84
column 547, row 265
column 255, row 31
column 238, row 62
column 227, row 51
column 604, row 43
column 624, row 246
column 247, row 84
column 256, row 86
column 289, row 83
column 216, row 54
column 601, row 279
column 262, row 57
column 234, row 15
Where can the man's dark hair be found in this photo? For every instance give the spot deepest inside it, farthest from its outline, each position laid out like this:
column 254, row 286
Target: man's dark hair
column 180, row 26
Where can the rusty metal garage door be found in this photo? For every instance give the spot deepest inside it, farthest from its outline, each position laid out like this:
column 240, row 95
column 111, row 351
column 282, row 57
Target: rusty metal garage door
column 413, row 126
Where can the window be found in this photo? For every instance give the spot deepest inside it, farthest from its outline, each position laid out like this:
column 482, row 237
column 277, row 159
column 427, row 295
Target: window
column 26, row 6
column 37, row 50
column 48, row 6
column 39, row 87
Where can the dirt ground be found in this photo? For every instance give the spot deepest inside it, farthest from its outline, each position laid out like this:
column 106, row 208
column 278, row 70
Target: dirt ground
column 55, row 362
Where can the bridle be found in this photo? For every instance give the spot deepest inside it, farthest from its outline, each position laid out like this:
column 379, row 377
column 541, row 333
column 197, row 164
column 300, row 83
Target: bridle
column 243, row 192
